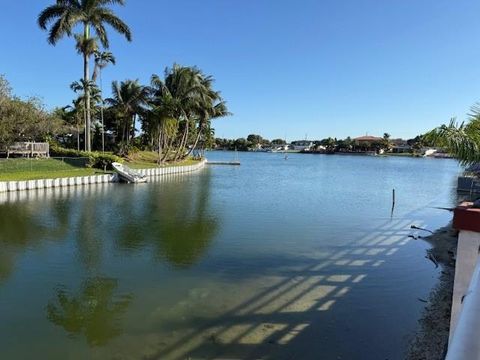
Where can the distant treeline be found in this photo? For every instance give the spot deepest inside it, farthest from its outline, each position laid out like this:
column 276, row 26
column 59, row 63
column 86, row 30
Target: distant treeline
column 254, row 142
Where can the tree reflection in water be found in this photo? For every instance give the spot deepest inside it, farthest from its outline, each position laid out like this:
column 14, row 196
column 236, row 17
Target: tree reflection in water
column 23, row 226
column 95, row 312
column 175, row 221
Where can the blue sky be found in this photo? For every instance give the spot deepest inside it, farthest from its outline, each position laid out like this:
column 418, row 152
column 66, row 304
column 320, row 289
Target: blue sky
column 287, row 68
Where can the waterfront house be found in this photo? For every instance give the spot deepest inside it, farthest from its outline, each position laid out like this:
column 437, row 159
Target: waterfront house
column 367, row 140
column 400, row 146
column 301, row 145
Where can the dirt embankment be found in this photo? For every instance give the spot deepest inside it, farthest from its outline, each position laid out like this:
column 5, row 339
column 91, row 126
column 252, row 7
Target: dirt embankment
column 431, row 340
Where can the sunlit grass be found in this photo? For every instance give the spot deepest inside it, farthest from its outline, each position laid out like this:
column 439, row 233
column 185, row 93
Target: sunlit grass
column 149, row 159
column 33, row 169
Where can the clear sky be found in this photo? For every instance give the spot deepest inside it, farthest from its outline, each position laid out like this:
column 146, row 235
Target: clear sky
column 287, row 68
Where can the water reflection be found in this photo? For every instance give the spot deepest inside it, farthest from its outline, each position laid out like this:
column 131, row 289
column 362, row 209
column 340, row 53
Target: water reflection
column 95, row 311
column 22, row 224
column 175, row 222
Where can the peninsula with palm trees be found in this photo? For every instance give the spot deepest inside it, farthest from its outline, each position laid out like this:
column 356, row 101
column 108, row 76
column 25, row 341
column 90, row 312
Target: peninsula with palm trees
column 166, row 121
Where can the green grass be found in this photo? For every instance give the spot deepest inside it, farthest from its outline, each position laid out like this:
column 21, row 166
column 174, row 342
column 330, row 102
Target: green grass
column 148, row 159
column 32, row 169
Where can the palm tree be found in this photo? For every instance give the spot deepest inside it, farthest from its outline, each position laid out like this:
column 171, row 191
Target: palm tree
column 386, row 141
column 186, row 95
column 213, row 108
column 460, row 139
column 65, row 15
column 129, row 99
column 102, row 59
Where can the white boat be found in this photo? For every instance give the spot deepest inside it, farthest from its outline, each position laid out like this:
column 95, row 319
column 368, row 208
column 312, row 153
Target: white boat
column 128, row 175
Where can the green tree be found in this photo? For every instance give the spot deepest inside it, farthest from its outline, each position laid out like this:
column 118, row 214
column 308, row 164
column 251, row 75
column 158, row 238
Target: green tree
column 129, row 98
column 386, row 143
column 462, row 140
column 65, row 15
column 278, row 142
column 186, row 99
column 24, row 120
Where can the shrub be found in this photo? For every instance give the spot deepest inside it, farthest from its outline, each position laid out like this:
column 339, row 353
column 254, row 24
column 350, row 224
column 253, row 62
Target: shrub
column 95, row 159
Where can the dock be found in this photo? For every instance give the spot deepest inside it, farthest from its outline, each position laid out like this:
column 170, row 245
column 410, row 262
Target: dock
column 232, row 163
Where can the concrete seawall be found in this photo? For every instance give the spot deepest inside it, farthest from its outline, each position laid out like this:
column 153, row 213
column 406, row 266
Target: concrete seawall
column 9, row 186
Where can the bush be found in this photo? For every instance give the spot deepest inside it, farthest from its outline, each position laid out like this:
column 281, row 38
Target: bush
column 95, row 159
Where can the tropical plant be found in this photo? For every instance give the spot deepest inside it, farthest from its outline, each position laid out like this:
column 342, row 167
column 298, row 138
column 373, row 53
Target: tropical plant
column 386, row 143
column 102, row 59
column 65, row 15
column 462, row 140
column 183, row 103
column 129, row 99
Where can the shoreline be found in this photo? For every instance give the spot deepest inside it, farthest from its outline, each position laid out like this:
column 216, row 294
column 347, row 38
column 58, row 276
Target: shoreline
column 22, row 185
column 430, row 342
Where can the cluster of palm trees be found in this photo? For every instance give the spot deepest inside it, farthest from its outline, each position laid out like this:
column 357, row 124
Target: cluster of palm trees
column 175, row 111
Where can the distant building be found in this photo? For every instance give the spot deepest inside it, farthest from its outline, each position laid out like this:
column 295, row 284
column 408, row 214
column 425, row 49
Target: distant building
column 366, row 140
column 302, row 145
column 400, row 146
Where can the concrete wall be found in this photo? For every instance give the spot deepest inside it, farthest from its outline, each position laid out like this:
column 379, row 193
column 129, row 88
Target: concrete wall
column 465, row 318
column 467, row 258
column 8, row 186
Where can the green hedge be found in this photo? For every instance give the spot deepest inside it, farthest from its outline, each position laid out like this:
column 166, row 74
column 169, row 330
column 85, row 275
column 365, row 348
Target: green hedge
column 95, row 159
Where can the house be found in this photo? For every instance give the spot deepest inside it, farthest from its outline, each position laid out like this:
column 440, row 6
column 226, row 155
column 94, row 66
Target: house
column 300, row 145
column 367, row 140
column 400, row 146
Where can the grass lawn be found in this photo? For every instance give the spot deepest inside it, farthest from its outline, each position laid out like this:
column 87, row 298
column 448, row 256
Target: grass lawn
column 32, row 169
column 148, row 159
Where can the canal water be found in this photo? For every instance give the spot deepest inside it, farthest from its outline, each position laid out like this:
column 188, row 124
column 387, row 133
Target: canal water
column 298, row 258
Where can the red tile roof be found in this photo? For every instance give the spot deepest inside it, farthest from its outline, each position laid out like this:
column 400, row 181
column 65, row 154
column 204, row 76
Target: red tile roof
column 368, row 138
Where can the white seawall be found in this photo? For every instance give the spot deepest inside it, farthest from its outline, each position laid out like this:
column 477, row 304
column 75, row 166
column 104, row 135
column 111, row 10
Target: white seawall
column 6, row 186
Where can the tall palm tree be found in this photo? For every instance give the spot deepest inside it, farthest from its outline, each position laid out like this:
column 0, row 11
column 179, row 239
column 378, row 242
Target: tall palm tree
column 65, row 15
column 213, row 107
column 102, row 59
column 129, row 99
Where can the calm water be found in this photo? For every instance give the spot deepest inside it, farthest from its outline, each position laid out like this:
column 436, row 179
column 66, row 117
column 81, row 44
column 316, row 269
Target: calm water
column 277, row 259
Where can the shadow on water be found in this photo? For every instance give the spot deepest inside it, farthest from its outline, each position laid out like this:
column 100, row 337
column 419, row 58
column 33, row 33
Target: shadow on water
column 294, row 312
column 95, row 311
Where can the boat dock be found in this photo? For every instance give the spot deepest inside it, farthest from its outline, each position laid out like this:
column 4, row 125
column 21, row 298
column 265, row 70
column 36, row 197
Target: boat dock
column 233, row 163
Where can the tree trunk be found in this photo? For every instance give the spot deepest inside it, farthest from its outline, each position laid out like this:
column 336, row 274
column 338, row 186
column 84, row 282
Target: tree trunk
column 78, row 137
column 182, row 142
column 199, row 133
column 159, row 144
column 86, row 78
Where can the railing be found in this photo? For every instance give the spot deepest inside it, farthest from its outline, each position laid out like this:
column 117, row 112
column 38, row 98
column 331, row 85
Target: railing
column 28, row 149
column 465, row 343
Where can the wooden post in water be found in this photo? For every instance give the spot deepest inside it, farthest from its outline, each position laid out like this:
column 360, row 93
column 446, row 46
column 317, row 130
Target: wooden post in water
column 393, row 203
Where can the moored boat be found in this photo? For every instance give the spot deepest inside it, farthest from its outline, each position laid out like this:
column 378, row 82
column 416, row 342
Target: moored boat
column 128, row 175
